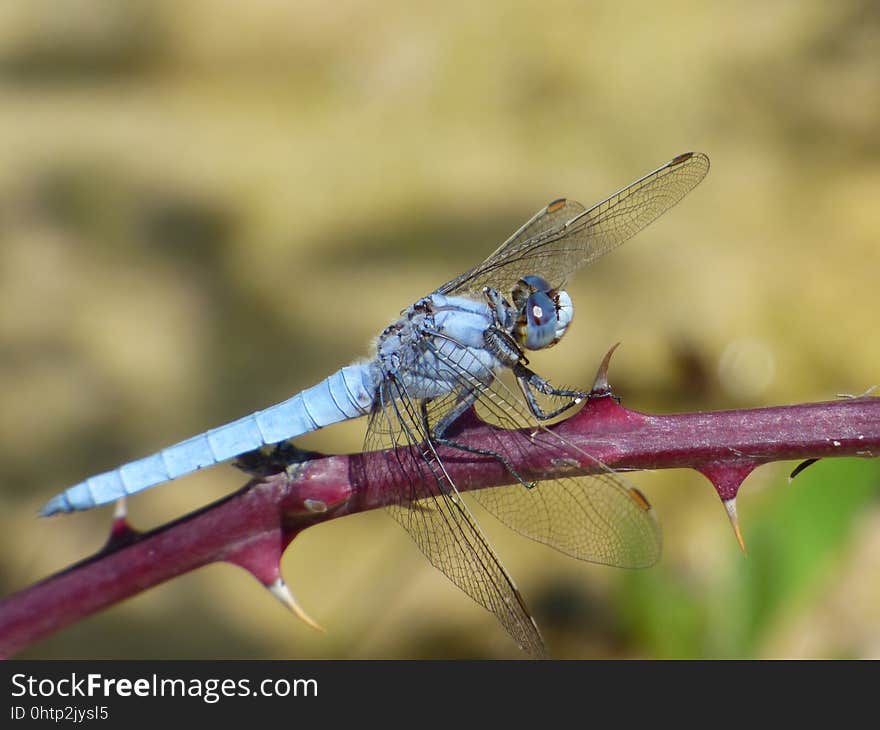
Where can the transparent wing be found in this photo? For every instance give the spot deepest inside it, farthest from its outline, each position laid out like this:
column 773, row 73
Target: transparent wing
column 599, row 518
column 564, row 236
column 596, row 518
column 433, row 513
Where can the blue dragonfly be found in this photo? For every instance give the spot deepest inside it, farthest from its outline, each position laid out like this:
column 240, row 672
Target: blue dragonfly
column 450, row 353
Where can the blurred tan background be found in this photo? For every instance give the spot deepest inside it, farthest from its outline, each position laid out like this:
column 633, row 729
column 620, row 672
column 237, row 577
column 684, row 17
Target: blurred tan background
column 207, row 206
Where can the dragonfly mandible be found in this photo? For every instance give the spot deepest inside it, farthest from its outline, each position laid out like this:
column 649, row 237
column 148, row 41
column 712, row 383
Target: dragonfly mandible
column 442, row 358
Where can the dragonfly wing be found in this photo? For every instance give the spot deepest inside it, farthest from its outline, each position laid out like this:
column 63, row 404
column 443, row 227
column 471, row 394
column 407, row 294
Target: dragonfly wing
column 596, row 518
column 600, row 518
column 564, row 236
column 432, row 511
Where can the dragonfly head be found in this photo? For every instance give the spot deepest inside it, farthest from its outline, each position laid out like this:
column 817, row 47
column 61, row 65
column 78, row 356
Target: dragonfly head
column 543, row 313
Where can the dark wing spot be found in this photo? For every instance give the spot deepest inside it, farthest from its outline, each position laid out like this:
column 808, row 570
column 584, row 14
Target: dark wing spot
column 684, row 157
column 640, row 499
column 555, row 205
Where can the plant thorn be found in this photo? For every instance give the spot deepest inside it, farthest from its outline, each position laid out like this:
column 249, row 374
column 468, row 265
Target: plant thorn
column 730, row 507
column 800, row 467
column 280, row 590
column 600, row 384
column 856, row 397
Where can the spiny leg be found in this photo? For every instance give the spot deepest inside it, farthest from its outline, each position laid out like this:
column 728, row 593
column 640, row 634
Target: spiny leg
column 528, row 379
column 466, row 400
column 505, row 348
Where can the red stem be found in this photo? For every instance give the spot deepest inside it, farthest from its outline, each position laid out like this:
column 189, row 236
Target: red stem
column 253, row 526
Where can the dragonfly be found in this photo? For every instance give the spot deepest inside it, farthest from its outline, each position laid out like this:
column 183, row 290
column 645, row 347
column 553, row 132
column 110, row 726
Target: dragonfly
column 451, row 353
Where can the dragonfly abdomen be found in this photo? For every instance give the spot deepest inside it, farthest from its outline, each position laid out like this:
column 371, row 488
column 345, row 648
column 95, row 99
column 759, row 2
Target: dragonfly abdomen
column 346, row 394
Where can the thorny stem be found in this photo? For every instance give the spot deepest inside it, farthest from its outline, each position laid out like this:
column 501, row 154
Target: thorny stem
column 252, row 527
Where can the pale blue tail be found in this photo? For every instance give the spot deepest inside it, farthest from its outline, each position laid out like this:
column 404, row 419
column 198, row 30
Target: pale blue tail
column 346, row 394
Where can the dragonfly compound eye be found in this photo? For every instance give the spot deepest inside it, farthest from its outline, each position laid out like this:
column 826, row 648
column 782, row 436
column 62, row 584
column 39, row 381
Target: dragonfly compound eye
column 529, row 285
column 537, row 324
column 564, row 314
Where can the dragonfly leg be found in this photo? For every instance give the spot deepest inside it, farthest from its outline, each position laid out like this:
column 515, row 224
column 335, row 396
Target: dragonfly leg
column 439, row 430
column 272, row 459
column 528, row 380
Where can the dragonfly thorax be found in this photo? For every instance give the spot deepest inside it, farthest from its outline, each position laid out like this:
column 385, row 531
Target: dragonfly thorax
column 540, row 314
column 436, row 344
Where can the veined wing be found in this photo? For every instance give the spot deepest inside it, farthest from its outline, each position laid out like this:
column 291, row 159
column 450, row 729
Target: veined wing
column 563, row 236
column 599, row 518
column 431, row 510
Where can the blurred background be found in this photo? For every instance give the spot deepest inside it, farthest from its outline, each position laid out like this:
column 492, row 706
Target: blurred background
column 208, row 206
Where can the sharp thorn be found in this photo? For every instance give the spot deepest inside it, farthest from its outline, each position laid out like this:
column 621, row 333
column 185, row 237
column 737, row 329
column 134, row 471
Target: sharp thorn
column 280, row 590
column 849, row 396
column 800, row 467
column 121, row 533
column 600, row 384
column 120, row 509
column 730, row 506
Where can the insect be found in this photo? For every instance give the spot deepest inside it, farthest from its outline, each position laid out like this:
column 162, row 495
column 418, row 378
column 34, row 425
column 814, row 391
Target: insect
column 443, row 357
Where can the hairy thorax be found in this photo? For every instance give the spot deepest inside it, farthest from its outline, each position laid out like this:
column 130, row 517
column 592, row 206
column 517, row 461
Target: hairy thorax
column 437, row 345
